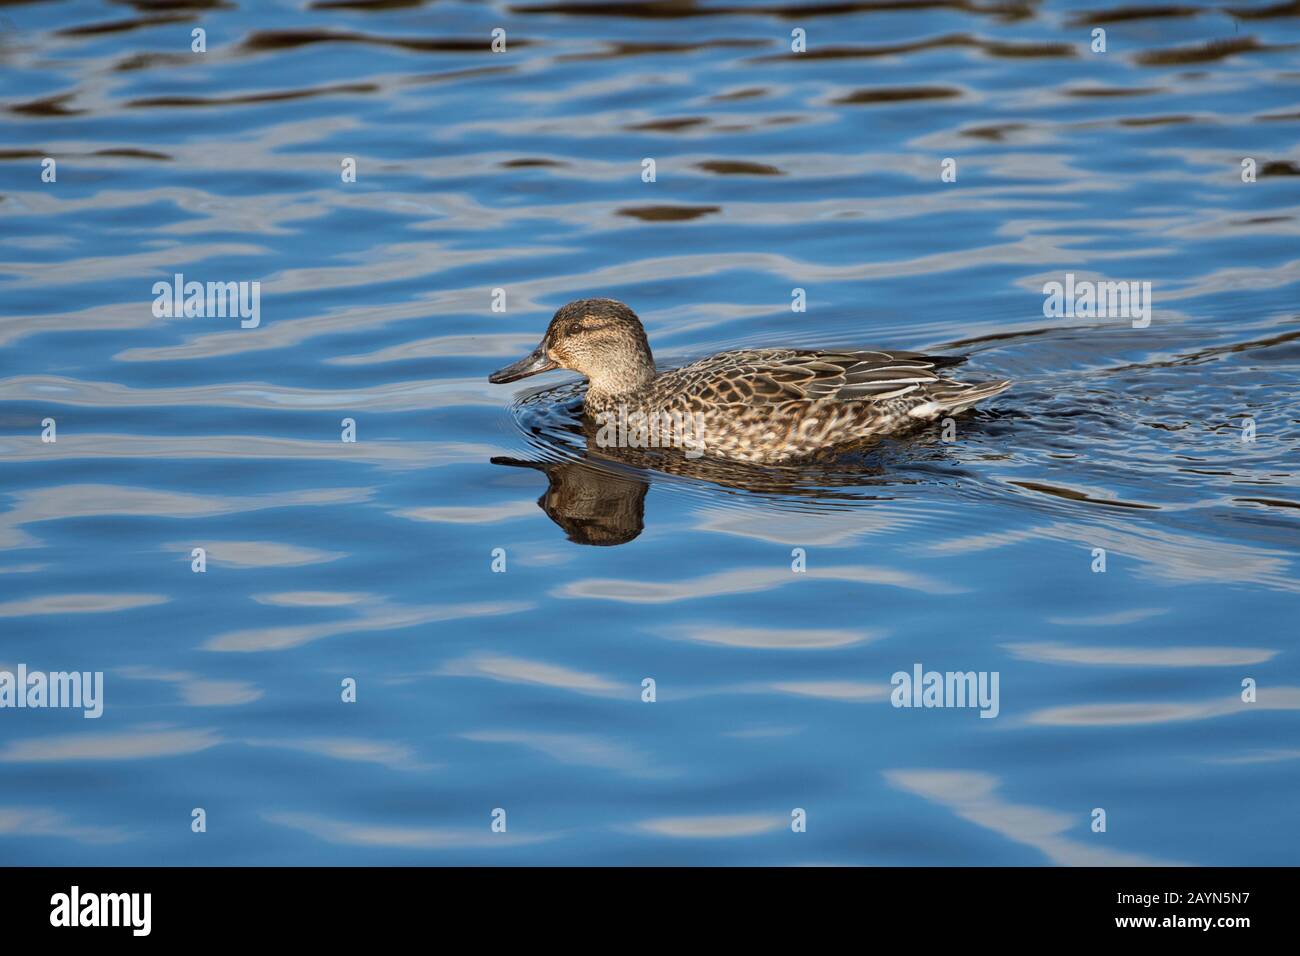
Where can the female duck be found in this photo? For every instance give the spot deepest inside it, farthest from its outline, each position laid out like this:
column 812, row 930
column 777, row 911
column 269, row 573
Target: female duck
column 756, row 405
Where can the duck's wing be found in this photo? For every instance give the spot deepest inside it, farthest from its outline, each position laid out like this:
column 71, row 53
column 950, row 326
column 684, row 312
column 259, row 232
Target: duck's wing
column 763, row 376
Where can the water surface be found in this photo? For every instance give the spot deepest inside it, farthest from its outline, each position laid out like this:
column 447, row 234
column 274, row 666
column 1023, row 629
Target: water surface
column 522, row 690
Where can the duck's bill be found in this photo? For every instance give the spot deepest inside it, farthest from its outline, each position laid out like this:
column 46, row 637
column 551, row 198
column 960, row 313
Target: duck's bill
column 533, row 364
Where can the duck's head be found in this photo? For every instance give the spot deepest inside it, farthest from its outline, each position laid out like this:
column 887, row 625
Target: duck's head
column 599, row 338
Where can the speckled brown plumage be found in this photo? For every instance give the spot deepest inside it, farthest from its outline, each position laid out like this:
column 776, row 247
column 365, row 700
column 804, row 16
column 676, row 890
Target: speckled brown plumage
column 756, row 405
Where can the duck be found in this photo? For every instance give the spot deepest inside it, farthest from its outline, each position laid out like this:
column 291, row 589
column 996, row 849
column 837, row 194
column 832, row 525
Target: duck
column 759, row 405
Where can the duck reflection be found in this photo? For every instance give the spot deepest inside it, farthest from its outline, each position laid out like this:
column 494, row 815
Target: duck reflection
column 598, row 498
column 592, row 505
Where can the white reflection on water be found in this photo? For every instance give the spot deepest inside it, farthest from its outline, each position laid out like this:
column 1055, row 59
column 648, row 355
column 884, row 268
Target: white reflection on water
column 400, row 837
column 713, row 827
column 163, row 260
column 499, row 346
column 315, row 598
column 1055, row 652
column 1259, row 756
column 838, row 691
column 86, row 500
column 842, row 690
column 1163, row 554
column 382, row 616
column 835, row 530
column 742, row 581
column 255, row 554
column 78, row 604
column 789, row 638
column 1157, row 712
column 584, row 750
column 27, row 822
column 408, row 396
column 516, row 670
column 126, row 745
column 1112, row 619
column 469, row 514
column 393, row 756
column 196, row 691
column 970, row 795
column 395, row 454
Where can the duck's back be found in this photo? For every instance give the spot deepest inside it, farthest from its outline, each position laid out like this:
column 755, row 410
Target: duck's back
column 769, row 376
column 777, row 404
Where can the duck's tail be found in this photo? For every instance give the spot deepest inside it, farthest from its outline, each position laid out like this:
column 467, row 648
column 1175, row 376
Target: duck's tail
column 948, row 397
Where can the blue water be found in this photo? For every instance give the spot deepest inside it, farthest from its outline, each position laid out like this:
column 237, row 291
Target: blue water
column 478, row 690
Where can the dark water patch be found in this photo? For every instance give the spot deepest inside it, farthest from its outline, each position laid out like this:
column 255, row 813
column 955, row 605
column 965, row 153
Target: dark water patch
column 120, row 26
column 1126, row 14
column 897, row 94
column 719, row 126
column 668, row 213
column 1212, row 353
column 122, row 152
column 1279, row 168
column 1004, row 337
column 1287, row 8
column 1271, row 502
column 278, row 96
column 127, row 152
column 628, row 49
column 453, row 76
column 748, row 93
column 1010, row 10
column 163, row 6
column 996, row 133
column 1139, row 121
column 669, row 125
column 1253, row 345
column 47, row 106
column 1208, row 52
column 528, row 163
column 148, row 61
column 365, row 6
column 1027, row 51
column 738, row 167
column 991, row 47
column 1071, row 494
column 1105, row 92
column 638, row 9
column 268, row 40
